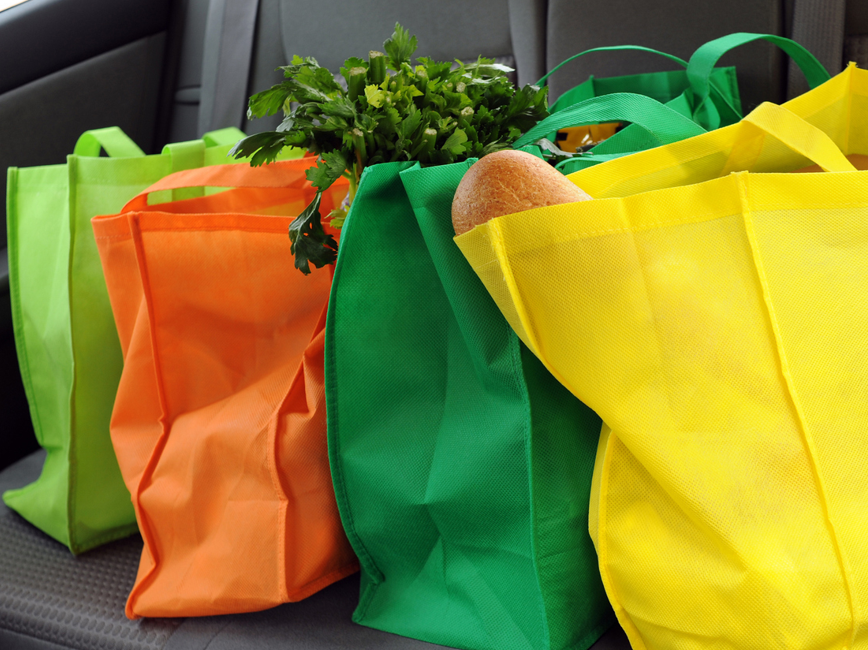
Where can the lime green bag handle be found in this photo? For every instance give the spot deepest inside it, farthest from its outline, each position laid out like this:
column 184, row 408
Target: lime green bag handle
column 706, row 57
column 663, row 123
column 112, row 140
column 118, row 144
column 191, row 155
column 222, row 137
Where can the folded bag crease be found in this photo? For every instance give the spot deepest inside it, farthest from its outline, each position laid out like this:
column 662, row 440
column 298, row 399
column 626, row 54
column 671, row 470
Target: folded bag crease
column 744, row 184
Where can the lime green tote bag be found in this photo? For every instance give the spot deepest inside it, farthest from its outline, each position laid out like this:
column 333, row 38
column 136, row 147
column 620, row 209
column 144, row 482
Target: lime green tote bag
column 462, row 468
column 67, row 344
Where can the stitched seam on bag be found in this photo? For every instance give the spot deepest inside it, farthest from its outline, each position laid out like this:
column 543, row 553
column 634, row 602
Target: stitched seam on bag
column 843, row 565
column 334, row 443
column 15, row 300
column 622, row 615
column 229, row 228
column 72, row 199
column 503, row 259
column 341, row 494
column 157, row 450
column 502, row 256
column 518, row 372
column 282, row 497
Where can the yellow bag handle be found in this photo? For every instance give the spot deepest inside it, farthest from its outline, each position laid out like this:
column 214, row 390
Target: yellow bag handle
column 800, row 136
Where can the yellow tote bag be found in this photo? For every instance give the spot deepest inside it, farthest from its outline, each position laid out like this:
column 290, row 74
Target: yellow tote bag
column 717, row 322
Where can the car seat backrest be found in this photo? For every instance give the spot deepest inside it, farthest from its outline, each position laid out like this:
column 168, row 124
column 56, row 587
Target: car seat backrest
column 534, row 34
column 679, row 27
column 331, row 31
column 819, row 26
column 856, row 33
column 188, row 83
column 229, row 37
column 676, row 27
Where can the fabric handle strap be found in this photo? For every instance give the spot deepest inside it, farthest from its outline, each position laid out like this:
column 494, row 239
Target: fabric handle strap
column 800, row 136
column 661, row 121
column 112, row 139
column 612, row 48
column 191, row 154
column 706, row 57
column 222, row 137
column 281, row 174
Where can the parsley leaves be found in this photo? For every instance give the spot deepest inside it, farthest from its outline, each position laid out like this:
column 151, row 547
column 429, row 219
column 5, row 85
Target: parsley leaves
column 436, row 113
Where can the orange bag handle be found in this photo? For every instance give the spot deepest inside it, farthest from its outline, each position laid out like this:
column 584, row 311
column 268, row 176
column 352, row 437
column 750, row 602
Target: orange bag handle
column 285, row 174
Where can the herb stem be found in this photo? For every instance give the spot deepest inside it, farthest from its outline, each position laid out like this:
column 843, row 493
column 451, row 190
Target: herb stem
column 359, row 146
column 376, row 67
column 356, row 83
column 426, row 145
column 353, row 176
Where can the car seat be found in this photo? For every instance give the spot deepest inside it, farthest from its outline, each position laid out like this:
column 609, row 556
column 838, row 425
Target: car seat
column 211, row 61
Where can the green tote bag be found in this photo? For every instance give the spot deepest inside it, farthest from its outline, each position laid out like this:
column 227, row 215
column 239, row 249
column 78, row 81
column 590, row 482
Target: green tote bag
column 708, row 96
column 462, row 468
column 67, row 344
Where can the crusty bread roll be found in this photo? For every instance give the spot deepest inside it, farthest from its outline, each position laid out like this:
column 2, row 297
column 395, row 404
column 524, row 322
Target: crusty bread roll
column 505, row 182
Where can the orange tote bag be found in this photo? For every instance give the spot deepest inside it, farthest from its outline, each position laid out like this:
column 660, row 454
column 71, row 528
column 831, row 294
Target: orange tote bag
column 219, row 424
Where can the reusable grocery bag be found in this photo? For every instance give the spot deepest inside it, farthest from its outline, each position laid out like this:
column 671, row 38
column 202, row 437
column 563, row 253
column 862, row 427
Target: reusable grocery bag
column 65, row 336
column 710, row 100
column 717, row 327
column 462, row 469
column 219, row 423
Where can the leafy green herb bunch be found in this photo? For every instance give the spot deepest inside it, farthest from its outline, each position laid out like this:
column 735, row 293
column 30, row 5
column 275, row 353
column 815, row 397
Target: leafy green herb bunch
column 433, row 112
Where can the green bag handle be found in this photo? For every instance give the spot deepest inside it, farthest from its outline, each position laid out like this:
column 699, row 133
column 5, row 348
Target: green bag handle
column 610, row 48
column 706, row 57
column 663, row 123
column 587, row 159
column 639, row 48
column 112, row 139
